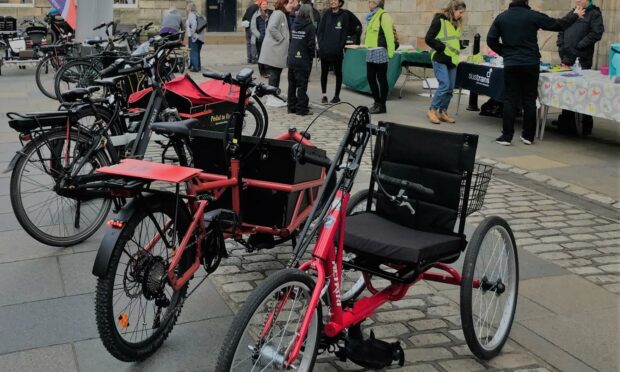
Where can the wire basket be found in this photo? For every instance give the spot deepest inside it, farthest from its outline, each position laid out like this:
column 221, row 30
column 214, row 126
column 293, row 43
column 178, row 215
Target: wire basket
column 480, row 179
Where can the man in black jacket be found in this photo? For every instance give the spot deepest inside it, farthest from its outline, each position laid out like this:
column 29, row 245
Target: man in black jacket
column 518, row 28
column 245, row 21
column 300, row 55
column 332, row 37
column 577, row 41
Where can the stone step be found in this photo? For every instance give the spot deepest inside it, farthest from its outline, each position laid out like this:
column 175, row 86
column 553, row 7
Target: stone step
column 225, row 38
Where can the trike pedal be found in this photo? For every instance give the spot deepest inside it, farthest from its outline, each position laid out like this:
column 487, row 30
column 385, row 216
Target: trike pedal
column 370, row 353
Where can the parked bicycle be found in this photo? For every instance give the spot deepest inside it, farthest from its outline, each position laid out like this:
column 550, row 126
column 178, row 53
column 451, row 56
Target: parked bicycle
column 417, row 197
column 244, row 188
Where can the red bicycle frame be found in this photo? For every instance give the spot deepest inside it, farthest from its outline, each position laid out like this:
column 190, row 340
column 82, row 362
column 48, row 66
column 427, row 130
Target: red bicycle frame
column 199, row 183
column 326, row 262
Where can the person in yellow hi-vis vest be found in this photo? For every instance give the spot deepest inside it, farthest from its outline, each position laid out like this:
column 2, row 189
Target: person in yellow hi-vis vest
column 444, row 36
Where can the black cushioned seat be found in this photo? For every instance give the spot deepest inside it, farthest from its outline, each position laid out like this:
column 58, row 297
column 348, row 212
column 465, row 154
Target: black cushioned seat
column 371, row 234
column 78, row 94
column 182, row 127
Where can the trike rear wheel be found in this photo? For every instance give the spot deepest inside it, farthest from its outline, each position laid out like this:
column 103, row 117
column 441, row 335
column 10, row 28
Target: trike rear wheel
column 489, row 287
column 264, row 329
column 135, row 305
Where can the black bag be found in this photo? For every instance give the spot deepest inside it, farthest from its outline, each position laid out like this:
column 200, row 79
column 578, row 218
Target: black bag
column 492, row 108
column 201, row 23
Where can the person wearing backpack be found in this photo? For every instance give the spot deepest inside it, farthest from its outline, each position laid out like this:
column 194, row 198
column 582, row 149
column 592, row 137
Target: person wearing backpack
column 300, row 55
column 195, row 36
column 443, row 36
column 381, row 45
column 332, row 37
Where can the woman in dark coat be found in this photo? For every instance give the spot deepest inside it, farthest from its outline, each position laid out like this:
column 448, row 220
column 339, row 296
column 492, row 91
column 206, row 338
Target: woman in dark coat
column 300, row 55
column 332, row 37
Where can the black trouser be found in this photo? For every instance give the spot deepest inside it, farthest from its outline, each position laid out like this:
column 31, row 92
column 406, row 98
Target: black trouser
column 521, row 86
column 274, row 75
column 377, row 79
column 297, row 89
column 259, row 46
column 337, row 63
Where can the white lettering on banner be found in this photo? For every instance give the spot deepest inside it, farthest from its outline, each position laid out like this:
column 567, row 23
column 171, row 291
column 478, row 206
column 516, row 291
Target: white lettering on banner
column 481, row 80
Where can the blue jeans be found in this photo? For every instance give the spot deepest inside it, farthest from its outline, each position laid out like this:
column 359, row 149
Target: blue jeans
column 447, row 78
column 194, row 54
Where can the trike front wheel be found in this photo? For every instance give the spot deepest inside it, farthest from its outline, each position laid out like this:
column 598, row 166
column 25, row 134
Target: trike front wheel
column 263, row 332
column 136, row 306
column 489, row 287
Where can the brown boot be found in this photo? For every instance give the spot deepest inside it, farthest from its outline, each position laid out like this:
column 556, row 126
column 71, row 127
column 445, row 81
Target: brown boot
column 443, row 116
column 432, row 116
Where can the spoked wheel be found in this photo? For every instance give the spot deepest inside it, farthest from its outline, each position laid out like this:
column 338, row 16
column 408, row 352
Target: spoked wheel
column 135, row 305
column 264, row 330
column 489, row 287
column 46, row 72
column 77, row 74
column 354, row 284
column 36, row 190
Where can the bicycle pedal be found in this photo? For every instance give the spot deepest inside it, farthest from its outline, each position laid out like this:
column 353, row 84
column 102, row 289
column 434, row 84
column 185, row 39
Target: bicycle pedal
column 372, row 353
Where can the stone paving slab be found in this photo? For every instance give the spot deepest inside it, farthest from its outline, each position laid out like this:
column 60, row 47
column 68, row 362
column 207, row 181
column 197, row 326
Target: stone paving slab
column 58, row 358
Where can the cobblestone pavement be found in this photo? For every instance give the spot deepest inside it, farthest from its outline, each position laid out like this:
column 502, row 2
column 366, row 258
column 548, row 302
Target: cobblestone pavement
column 426, row 322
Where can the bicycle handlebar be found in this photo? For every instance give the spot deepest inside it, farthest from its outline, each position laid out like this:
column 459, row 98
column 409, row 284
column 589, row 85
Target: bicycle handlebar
column 404, row 184
column 299, row 153
column 261, row 89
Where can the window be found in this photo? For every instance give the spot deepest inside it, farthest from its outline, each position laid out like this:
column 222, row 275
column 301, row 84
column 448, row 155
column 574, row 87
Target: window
column 124, row 3
column 16, row 3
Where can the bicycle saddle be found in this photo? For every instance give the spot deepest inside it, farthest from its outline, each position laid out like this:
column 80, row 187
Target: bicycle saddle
column 182, row 127
column 78, row 94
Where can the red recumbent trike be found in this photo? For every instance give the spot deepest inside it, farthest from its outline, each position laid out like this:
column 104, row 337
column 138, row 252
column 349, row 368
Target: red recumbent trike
column 405, row 234
column 243, row 186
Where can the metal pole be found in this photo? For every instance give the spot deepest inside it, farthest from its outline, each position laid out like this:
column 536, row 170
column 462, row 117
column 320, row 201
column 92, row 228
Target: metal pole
column 473, row 97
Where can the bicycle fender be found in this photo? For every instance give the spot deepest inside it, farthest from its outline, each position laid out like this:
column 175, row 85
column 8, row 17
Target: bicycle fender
column 113, row 233
column 13, row 162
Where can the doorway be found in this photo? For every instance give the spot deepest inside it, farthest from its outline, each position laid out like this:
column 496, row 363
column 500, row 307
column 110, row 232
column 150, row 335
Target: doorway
column 221, row 15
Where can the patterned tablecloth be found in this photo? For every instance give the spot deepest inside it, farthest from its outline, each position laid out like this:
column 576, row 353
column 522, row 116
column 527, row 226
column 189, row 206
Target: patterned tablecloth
column 592, row 93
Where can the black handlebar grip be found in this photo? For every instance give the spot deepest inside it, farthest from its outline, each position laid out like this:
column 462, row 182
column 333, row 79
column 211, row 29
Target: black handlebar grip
column 98, row 27
column 146, row 27
column 215, row 75
column 415, row 187
column 110, row 69
column 271, row 90
column 173, row 44
column 300, row 154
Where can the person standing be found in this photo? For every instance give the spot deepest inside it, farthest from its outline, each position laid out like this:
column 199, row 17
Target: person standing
column 332, row 37
column 258, row 25
column 379, row 40
column 274, row 51
column 577, row 41
column 194, row 39
column 517, row 28
column 245, row 22
column 300, row 55
column 444, row 35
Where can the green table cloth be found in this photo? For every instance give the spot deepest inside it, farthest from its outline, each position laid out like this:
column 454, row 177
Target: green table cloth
column 354, row 70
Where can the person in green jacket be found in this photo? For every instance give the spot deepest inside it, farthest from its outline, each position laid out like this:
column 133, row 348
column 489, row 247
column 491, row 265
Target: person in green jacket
column 379, row 40
column 444, row 35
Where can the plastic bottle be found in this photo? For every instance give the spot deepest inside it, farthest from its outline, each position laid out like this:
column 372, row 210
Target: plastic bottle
column 577, row 67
